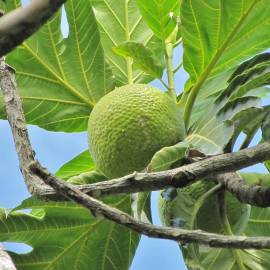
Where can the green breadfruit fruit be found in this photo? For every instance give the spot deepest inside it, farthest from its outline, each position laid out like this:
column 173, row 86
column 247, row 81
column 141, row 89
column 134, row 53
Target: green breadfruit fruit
column 129, row 125
column 176, row 208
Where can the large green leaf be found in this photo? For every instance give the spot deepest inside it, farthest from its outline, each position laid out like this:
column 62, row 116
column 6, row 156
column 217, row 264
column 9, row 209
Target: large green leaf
column 120, row 21
column 219, row 34
column 161, row 15
column 61, row 79
column 67, row 236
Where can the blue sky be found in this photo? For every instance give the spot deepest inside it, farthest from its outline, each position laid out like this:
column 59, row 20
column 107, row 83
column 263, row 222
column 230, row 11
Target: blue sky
column 53, row 150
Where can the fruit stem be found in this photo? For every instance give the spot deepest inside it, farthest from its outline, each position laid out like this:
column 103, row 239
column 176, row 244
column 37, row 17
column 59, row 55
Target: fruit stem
column 169, row 66
column 227, row 228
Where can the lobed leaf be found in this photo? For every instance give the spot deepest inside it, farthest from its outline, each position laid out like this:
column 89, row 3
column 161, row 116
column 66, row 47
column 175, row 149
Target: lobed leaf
column 64, row 235
column 218, row 35
column 60, row 79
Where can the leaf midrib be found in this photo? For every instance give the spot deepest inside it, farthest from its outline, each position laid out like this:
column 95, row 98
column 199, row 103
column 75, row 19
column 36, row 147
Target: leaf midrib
column 215, row 59
column 74, row 91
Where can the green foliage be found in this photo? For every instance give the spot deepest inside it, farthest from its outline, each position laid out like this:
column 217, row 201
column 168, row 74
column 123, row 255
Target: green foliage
column 167, row 156
column 161, row 16
column 113, row 43
column 218, row 35
column 82, row 163
column 60, row 79
column 66, row 235
column 120, row 21
column 143, row 58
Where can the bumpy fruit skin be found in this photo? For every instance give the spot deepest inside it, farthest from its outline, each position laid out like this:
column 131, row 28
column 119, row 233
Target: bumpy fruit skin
column 130, row 124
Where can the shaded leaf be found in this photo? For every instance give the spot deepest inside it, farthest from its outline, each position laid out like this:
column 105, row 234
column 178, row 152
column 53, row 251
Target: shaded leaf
column 266, row 127
column 143, row 58
column 141, row 206
column 257, row 224
column 242, row 121
column 161, row 16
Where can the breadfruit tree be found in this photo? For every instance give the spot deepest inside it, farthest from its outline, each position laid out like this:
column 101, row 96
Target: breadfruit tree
column 191, row 144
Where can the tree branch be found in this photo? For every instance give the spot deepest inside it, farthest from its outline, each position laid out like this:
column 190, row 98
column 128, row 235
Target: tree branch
column 5, row 261
column 177, row 177
column 251, row 194
column 19, row 24
column 16, row 120
column 185, row 236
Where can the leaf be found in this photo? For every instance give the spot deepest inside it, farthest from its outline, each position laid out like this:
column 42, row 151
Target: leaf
column 256, row 225
column 87, row 178
column 210, row 135
column 60, row 79
column 219, row 34
column 242, row 120
column 143, row 58
column 81, row 170
column 80, row 164
column 141, row 206
column 231, row 108
column 266, row 127
column 209, row 132
column 161, row 16
column 120, row 21
column 167, row 156
column 64, row 234
column 196, row 207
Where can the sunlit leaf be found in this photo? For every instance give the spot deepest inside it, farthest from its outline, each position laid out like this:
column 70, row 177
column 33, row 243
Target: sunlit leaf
column 120, row 21
column 60, row 79
column 161, row 15
column 80, row 164
column 218, row 35
column 143, row 58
